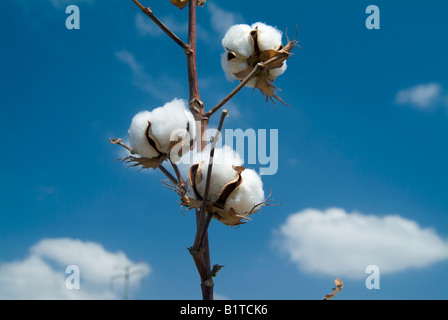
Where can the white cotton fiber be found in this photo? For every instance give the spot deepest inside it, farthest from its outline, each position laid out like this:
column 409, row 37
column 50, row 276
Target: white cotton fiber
column 269, row 38
column 233, row 66
column 249, row 194
column 278, row 71
column 137, row 136
column 167, row 120
column 238, row 40
column 222, row 172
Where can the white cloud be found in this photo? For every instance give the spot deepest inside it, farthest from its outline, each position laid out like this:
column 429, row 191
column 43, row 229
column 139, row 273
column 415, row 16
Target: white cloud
column 338, row 243
column 129, row 59
column 221, row 20
column 422, row 96
column 41, row 275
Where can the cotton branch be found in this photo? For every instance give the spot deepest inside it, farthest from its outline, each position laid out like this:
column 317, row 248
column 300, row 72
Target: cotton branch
column 258, row 67
column 162, row 26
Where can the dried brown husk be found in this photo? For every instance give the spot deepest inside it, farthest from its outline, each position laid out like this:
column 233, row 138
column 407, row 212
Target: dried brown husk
column 265, row 80
column 183, row 3
column 180, row 3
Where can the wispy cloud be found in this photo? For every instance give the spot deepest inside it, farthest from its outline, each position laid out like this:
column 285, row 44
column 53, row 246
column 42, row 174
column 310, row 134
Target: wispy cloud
column 422, row 96
column 41, row 275
column 221, row 20
column 343, row 244
column 162, row 86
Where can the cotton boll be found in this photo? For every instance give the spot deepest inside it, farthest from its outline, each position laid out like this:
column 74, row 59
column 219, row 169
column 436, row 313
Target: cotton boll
column 137, row 136
column 222, row 171
column 233, row 66
column 238, row 39
column 249, row 194
column 172, row 118
column 278, row 71
column 269, row 38
column 166, row 120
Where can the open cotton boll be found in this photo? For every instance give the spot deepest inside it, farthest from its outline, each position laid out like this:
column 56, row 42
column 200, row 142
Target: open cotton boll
column 249, row 194
column 137, row 136
column 167, row 120
column 233, row 66
column 172, row 118
column 269, row 38
column 222, row 172
column 237, row 39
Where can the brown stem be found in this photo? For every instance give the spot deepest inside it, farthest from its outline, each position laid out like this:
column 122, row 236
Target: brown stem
column 201, row 258
column 178, row 174
column 163, row 27
column 168, row 175
column 207, row 216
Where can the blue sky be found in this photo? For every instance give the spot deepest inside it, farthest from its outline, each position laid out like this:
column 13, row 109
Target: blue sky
column 366, row 133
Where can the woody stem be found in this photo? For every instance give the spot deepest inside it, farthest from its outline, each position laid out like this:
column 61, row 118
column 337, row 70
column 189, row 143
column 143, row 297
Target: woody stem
column 205, row 222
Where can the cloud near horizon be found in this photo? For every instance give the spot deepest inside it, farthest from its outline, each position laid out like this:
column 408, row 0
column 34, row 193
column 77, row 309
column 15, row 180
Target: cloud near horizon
column 337, row 243
column 41, row 275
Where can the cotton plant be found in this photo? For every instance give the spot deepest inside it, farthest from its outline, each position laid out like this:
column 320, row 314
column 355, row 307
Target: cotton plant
column 216, row 184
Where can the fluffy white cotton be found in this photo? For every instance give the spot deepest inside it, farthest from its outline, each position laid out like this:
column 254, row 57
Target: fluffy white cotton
column 249, row 194
column 233, row 66
column 269, row 38
column 173, row 118
column 238, row 40
column 242, row 200
column 278, row 71
column 137, row 136
column 222, row 172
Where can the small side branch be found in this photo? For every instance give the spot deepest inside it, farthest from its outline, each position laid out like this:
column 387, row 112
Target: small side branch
column 181, row 180
column 260, row 66
column 168, row 175
column 162, row 26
